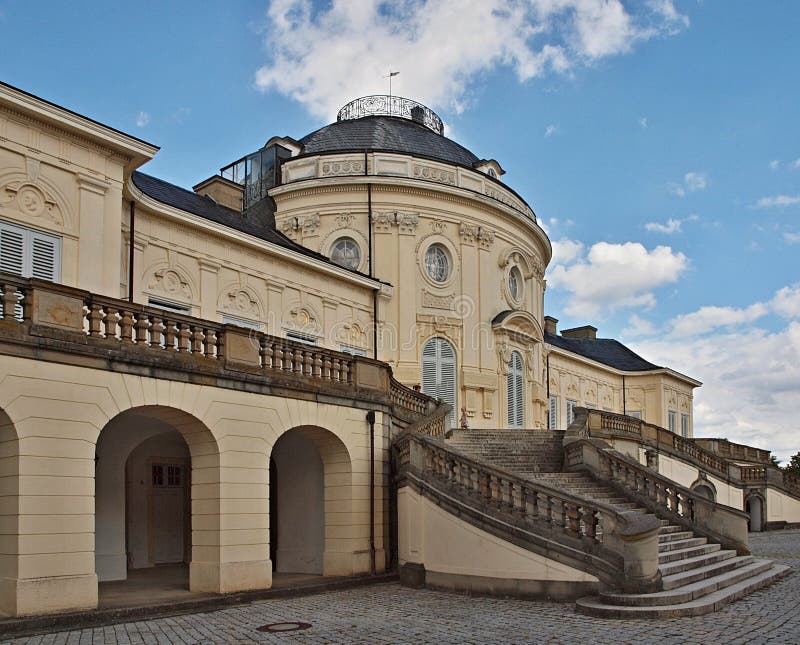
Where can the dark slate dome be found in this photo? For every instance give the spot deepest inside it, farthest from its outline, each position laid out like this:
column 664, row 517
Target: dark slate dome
column 374, row 129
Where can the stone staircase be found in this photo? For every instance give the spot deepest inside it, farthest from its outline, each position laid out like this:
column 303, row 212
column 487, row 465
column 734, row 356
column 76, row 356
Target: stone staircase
column 697, row 577
column 523, row 452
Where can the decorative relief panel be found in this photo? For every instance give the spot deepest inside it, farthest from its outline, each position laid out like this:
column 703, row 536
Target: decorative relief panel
column 469, row 233
column 435, row 174
column 345, row 220
column 31, row 201
column 502, row 197
column 437, row 301
column 406, row 222
column 485, row 238
column 172, row 283
column 241, row 301
column 438, row 226
column 343, row 167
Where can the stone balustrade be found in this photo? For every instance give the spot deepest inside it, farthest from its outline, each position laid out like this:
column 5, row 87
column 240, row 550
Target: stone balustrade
column 618, row 541
column 734, row 451
column 43, row 314
column 659, row 494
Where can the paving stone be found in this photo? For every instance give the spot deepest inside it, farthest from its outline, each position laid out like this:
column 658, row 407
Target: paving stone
column 389, row 613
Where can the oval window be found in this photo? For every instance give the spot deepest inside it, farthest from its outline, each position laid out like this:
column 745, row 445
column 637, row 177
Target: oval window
column 437, row 263
column 346, row 253
column 515, row 283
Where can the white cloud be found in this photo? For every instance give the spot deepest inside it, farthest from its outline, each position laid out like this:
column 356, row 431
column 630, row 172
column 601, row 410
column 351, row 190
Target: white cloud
column 792, row 238
column 692, row 182
column 550, row 130
column 796, row 164
column 778, row 201
column 323, row 56
column 671, row 226
column 142, row 119
column 695, row 181
column 565, row 251
column 613, row 276
column 643, row 122
column 751, row 381
column 637, row 327
column 774, row 164
column 707, row 319
column 786, row 302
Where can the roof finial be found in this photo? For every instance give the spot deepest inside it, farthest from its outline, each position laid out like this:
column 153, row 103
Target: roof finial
column 391, row 73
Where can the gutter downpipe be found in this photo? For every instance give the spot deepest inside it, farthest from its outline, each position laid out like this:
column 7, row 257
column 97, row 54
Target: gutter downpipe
column 624, row 407
column 371, row 421
column 371, row 264
column 130, row 252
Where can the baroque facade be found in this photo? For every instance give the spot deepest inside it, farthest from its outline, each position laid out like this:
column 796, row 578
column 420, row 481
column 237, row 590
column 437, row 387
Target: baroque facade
column 217, row 377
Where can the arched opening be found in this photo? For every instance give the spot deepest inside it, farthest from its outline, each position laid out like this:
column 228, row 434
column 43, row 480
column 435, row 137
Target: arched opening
column 705, row 489
column 146, row 459
column 754, row 506
column 439, row 372
column 310, row 504
column 9, row 501
column 515, row 391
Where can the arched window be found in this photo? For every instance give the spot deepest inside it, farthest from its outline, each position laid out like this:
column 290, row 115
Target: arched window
column 346, row 253
column 516, row 392
column 439, row 372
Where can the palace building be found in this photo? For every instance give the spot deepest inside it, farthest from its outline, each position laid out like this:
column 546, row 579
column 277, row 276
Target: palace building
column 264, row 376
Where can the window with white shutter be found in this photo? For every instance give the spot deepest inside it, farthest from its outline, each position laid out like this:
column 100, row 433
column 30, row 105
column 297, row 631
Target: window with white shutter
column 571, row 405
column 515, row 392
column 29, row 253
column 684, row 424
column 672, row 420
column 552, row 419
column 439, row 372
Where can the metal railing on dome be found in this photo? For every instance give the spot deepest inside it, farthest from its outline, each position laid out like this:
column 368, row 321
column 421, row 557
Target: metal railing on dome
column 384, row 105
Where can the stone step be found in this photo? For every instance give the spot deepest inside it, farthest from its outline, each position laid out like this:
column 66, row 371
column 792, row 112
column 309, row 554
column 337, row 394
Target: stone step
column 690, row 591
column 594, row 605
column 702, row 573
column 666, row 527
column 677, row 566
column 670, row 536
column 690, row 552
column 677, row 545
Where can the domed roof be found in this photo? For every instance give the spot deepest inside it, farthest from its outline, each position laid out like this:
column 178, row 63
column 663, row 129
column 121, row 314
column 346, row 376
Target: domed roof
column 373, row 130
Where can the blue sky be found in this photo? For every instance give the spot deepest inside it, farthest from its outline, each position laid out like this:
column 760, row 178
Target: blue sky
column 658, row 142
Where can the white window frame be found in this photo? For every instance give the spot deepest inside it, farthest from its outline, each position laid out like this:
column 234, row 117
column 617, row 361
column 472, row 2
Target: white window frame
column 241, row 322
column 672, row 421
column 636, row 414
column 571, row 405
column 684, row 424
column 300, row 337
column 355, row 351
column 169, row 305
column 515, row 391
column 552, row 413
column 29, row 237
column 434, row 366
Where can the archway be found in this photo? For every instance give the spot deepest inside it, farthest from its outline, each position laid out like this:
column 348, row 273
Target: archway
column 705, row 489
column 145, row 461
column 310, row 503
column 754, row 506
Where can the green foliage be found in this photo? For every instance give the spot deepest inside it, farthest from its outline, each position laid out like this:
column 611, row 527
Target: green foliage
column 794, row 465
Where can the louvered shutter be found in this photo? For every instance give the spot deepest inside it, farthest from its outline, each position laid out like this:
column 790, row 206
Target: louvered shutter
column 45, row 260
column 12, row 256
column 439, row 372
column 12, row 249
column 553, row 420
column 516, row 392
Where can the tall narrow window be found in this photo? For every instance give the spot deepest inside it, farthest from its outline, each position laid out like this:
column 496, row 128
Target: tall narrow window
column 672, row 420
column 684, row 424
column 571, row 405
column 552, row 419
column 439, row 372
column 516, row 392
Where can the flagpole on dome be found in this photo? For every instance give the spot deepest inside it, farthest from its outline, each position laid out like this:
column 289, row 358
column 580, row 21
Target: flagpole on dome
column 391, row 74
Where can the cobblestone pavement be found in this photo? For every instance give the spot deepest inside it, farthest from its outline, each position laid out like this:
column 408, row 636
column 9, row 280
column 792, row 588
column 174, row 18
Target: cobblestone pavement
column 389, row 613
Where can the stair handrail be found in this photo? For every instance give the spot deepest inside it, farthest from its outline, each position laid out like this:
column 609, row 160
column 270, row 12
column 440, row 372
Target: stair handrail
column 658, row 493
column 602, row 424
column 626, row 542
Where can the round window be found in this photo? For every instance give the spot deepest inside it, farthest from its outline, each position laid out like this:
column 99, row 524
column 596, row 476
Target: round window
column 437, row 263
column 515, row 283
column 346, row 253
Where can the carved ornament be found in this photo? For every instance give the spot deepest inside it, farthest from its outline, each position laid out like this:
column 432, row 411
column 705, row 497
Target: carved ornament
column 31, row 201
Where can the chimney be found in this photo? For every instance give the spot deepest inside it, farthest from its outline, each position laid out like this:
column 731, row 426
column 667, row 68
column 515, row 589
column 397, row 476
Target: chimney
column 551, row 325
column 418, row 114
column 587, row 332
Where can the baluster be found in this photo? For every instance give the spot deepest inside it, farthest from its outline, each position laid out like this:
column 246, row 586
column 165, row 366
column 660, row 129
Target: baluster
column 267, row 353
column 156, row 329
column 95, row 319
column 346, row 371
column 211, row 342
column 142, row 327
column 327, row 366
column 297, row 361
column 280, row 358
column 309, row 362
column 450, row 470
column 9, row 301
column 169, row 335
column 126, row 327
column 335, row 374
column 573, row 518
column 197, row 340
column 484, row 485
column 110, row 322
column 547, row 507
column 589, row 522
column 317, row 365
column 183, row 337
